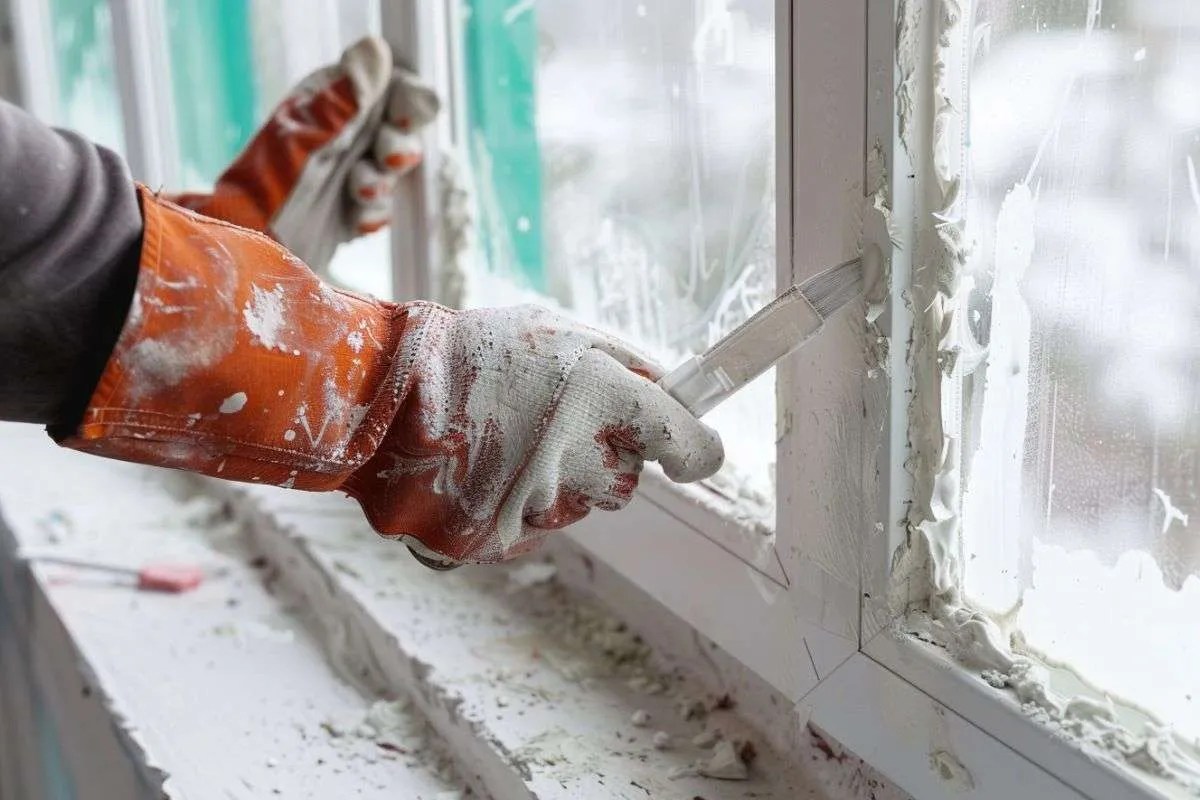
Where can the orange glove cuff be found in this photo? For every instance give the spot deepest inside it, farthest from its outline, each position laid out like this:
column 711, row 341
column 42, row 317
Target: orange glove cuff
column 236, row 361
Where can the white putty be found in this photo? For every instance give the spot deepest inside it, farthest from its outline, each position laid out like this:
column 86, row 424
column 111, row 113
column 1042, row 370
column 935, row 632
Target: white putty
column 1171, row 512
column 992, row 531
column 234, row 403
column 928, row 568
column 456, row 230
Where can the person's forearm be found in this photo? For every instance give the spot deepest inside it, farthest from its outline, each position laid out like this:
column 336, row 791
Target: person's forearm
column 70, row 236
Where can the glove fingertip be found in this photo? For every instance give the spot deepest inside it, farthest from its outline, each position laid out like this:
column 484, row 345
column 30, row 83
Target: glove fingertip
column 412, row 104
column 696, row 457
column 368, row 62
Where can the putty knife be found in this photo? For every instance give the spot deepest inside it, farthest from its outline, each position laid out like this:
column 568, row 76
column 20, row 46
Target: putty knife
column 779, row 329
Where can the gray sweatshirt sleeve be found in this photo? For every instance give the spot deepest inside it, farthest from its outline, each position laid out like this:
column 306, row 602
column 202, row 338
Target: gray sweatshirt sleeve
column 70, row 238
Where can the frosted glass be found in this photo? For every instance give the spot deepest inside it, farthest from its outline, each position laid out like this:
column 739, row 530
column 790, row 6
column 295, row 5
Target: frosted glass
column 1083, row 444
column 623, row 157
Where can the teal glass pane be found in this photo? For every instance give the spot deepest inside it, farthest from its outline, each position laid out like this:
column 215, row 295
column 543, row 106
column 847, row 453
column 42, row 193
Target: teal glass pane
column 88, row 100
column 215, row 84
column 501, row 61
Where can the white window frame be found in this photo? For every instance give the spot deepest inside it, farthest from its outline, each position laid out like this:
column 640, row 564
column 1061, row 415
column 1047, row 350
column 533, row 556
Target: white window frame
column 804, row 614
column 669, row 540
column 836, row 82
column 928, row 668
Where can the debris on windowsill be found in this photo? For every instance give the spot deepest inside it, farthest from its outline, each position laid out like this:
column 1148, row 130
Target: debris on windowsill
column 728, row 761
column 534, row 573
column 398, row 732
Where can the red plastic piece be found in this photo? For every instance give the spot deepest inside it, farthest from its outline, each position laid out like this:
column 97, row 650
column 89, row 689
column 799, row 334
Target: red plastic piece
column 172, row 578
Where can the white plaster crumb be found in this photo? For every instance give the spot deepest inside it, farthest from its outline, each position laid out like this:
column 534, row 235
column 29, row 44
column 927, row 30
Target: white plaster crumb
column 724, row 763
column 295, row 352
column 272, row 763
column 355, row 340
column 661, row 740
column 234, row 403
column 1139, row 54
column 289, row 435
column 280, row 393
column 706, row 739
column 531, row 574
column 640, row 718
column 193, row 419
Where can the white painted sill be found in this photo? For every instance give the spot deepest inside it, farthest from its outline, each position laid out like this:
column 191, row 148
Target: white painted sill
column 497, row 667
column 521, row 710
column 443, row 660
column 515, row 679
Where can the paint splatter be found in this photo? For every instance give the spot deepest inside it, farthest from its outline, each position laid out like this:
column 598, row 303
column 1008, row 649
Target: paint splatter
column 263, row 314
column 234, row 403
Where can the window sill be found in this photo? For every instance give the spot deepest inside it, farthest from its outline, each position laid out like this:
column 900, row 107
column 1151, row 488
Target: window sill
column 110, row 692
column 517, row 692
column 228, row 690
column 533, row 689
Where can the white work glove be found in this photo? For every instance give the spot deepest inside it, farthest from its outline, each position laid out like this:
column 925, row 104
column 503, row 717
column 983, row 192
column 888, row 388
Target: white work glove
column 515, row 422
column 322, row 169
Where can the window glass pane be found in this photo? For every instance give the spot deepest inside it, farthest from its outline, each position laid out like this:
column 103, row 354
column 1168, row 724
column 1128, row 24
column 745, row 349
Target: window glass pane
column 87, row 85
column 215, row 84
column 1083, row 207
column 232, row 61
column 623, row 161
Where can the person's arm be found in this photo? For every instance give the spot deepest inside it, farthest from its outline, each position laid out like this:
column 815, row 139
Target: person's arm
column 70, row 235
column 470, row 434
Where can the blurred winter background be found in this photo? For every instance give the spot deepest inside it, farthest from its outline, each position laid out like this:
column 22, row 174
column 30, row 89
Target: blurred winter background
column 1082, row 156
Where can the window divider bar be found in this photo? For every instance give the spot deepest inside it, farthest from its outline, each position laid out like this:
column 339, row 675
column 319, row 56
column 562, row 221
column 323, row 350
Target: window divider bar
column 414, row 29
column 144, row 86
column 37, row 74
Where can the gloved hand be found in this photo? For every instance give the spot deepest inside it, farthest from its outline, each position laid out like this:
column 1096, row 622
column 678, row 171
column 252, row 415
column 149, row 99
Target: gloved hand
column 516, row 422
column 471, row 433
column 322, row 169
